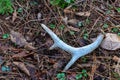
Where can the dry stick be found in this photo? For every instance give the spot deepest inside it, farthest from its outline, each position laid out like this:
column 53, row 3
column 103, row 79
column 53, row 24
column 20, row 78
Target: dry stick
column 94, row 25
column 75, row 52
column 94, row 67
column 49, row 8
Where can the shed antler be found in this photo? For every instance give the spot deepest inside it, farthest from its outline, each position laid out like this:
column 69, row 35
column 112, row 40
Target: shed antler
column 75, row 52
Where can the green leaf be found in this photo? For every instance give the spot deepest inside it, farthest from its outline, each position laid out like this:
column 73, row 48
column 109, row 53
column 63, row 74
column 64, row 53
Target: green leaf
column 5, row 36
column 68, row 1
column 62, row 27
column 105, row 25
column 108, row 12
column 54, row 2
column 85, row 74
column 118, row 10
column 85, row 36
column 52, row 26
column 118, row 33
column 20, row 10
column 33, row 3
column 61, row 76
column 84, row 71
column 78, row 76
column 116, row 75
column 87, row 21
column 72, row 32
column 115, row 29
column 61, row 3
column 80, row 24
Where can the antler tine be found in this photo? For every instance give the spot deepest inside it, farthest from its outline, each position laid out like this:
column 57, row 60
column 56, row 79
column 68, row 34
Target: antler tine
column 75, row 52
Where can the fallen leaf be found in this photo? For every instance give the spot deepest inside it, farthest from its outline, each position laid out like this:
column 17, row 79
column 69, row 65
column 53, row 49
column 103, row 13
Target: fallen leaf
column 65, row 20
column 22, row 67
column 29, row 46
column 73, row 22
column 21, row 55
column 74, row 29
column 67, row 11
column 115, row 58
column 14, row 16
column 83, row 13
column 111, row 42
column 32, row 70
column 18, row 39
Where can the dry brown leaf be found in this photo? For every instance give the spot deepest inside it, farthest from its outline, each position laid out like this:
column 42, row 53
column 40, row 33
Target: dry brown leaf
column 29, row 46
column 83, row 13
column 73, row 21
column 18, row 39
column 22, row 67
column 14, row 16
column 74, row 29
column 111, row 42
column 67, row 11
column 65, row 20
column 115, row 58
column 21, row 55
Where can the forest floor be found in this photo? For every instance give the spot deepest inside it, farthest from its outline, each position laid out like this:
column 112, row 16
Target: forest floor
column 24, row 45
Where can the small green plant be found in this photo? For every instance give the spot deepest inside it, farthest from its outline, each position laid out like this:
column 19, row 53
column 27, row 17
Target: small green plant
column 61, row 76
column 118, row 33
column 61, row 3
column 5, row 36
column 52, row 26
column 72, row 32
column 115, row 29
column 81, row 75
column 105, row 25
column 116, row 75
column 108, row 12
column 85, row 35
column 80, row 24
column 62, row 27
column 78, row 76
column 87, row 21
column 6, row 7
column 20, row 10
column 118, row 10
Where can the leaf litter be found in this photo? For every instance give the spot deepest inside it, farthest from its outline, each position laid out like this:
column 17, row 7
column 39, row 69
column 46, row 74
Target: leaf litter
column 22, row 67
column 18, row 39
column 52, row 14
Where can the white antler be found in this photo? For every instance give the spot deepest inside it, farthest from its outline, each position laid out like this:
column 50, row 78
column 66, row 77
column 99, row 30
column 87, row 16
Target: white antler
column 75, row 52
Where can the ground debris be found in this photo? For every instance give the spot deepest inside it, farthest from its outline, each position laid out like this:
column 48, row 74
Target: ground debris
column 18, row 39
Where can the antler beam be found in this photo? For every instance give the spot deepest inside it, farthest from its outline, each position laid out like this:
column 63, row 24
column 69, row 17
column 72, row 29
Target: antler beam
column 75, row 52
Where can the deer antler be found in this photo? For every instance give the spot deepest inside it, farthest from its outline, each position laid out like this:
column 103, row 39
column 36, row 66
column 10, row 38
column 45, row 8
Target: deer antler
column 75, row 52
